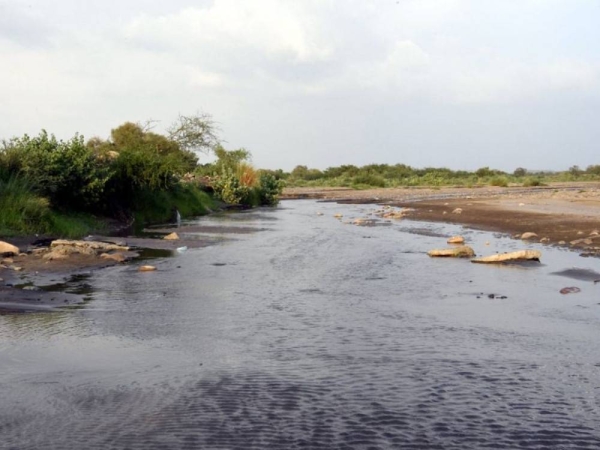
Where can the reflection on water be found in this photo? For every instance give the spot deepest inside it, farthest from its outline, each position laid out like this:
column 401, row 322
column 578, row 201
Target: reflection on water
column 314, row 334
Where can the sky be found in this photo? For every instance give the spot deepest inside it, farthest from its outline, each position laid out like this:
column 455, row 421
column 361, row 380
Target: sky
column 461, row 84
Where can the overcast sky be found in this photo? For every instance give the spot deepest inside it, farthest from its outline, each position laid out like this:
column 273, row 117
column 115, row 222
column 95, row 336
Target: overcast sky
column 455, row 83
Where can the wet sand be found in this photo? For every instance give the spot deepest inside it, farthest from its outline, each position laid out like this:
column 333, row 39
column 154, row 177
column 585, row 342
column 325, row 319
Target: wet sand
column 566, row 214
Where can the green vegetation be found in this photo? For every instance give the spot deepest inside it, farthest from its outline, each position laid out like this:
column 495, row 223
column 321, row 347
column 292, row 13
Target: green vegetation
column 71, row 188
column 401, row 175
column 235, row 181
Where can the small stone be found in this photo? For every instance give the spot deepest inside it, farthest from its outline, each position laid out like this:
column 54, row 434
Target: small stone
column 580, row 233
column 7, row 261
column 456, row 240
column 457, row 211
column 570, row 290
column 171, row 237
column 521, row 204
column 146, row 269
column 594, row 233
column 562, row 243
column 545, row 240
column 16, row 268
column 319, row 214
column 338, row 216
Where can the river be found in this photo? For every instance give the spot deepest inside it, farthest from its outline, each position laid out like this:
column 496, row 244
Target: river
column 308, row 333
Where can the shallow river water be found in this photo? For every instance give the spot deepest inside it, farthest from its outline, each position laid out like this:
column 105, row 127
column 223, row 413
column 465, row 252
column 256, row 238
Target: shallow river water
column 310, row 333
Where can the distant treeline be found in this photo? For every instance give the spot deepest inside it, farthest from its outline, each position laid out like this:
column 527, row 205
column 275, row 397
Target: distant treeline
column 135, row 176
column 397, row 175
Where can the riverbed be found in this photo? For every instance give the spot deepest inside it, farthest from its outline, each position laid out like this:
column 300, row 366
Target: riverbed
column 307, row 332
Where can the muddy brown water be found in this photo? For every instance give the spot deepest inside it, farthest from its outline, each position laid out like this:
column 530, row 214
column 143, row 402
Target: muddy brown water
column 311, row 333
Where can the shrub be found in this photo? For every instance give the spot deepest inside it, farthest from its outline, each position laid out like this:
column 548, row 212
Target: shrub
column 67, row 173
column 228, row 188
column 270, row 189
column 499, row 181
column 531, row 182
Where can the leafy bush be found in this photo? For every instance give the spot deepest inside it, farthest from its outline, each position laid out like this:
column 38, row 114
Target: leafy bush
column 270, row 189
column 228, row 188
column 67, row 173
column 369, row 180
column 499, row 181
column 531, row 182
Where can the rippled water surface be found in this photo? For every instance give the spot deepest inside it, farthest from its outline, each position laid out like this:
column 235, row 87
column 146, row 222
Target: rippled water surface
column 311, row 333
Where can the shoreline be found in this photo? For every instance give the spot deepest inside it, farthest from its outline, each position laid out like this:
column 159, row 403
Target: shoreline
column 561, row 214
column 565, row 215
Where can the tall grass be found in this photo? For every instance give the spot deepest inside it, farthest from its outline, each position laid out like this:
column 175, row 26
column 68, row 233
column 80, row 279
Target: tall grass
column 21, row 210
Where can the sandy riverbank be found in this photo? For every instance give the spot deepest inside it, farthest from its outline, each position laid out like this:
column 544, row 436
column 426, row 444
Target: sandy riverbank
column 566, row 214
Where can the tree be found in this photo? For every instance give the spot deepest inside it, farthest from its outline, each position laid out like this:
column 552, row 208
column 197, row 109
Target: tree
column 575, row 171
column 197, row 133
column 520, row 172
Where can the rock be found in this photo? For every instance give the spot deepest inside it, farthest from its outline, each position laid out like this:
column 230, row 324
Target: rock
column 7, row 261
column 583, row 241
column 545, row 240
column 55, row 255
column 457, row 211
column 521, row 255
column 16, row 268
column 595, row 233
column 528, row 235
column 146, row 269
column 570, row 290
column 521, row 204
column 319, row 214
column 7, row 249
column 338, row 216
column 456, row 252
column 171, row 237
column 117, row 257
column 580, row 233
column 456, row 240
column 85, row 247
column 562, row 243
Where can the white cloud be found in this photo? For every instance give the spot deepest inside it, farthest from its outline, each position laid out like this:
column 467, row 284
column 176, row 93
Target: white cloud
column 274, row 28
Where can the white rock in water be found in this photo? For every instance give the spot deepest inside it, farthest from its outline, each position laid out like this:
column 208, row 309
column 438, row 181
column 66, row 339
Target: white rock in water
column 528, row 235
column 456, row 252
column 521, row 255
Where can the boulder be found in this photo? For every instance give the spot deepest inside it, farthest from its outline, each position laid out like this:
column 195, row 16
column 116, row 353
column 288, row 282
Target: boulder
column 55, row 255
column 528, row 235
column 7, row 249
column 85, row 247
column 171, row 237
column 456, row 240
column 117, row 257
column 521, row 255
column 457, row 252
